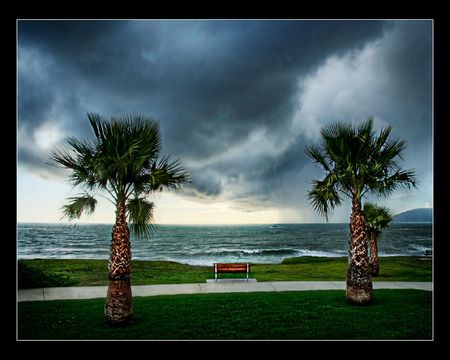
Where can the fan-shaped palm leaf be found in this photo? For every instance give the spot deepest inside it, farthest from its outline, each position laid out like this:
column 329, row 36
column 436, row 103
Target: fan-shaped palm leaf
column 140, row 212
column 78, row 205
column 377, row 218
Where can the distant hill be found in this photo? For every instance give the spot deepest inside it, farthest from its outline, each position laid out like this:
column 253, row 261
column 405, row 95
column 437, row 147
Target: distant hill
column 415, row 215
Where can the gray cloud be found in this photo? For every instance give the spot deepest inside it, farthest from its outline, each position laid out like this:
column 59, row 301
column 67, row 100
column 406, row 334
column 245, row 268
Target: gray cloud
column 237, row 100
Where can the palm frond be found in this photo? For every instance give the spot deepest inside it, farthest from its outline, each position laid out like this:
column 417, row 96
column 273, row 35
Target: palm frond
column 387, row 185
column 97, row 124
column 392, row 149
column 168, row 173
column 337, row 130
column 79, row 157
column 337, row 139
column 365, row 131
column 79, row 205
column 381, row 140
column 377, row 218
column 363, row 145
column 318, row 157
column 140, row 212
column 324, row 197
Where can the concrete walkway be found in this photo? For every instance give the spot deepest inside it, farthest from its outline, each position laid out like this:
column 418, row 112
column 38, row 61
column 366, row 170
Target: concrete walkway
column 222, row 286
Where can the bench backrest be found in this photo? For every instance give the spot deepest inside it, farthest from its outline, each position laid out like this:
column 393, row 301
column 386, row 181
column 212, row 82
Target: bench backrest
column 233, row 267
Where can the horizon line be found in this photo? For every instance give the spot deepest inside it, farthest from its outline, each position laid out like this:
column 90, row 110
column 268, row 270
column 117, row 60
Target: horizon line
column 217, row 224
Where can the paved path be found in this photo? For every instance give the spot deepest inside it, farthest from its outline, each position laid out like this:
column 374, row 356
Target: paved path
column 222, row 286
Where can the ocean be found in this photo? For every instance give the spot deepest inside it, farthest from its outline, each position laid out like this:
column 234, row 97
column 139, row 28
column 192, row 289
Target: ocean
column 204, row 245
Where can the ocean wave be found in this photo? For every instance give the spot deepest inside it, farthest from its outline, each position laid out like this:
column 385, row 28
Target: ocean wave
column 244, row 252
column 420, row 248
column 264, row 256
column 319, row 253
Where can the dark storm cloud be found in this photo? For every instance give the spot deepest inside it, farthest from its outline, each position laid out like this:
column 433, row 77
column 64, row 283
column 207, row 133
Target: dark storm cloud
column 410, row 106
column 409, row 56
column 245, row 75
column 225, row 92
column 390, row 79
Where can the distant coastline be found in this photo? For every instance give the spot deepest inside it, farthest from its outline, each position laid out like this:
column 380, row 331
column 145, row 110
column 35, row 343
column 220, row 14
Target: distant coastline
column 420, row 215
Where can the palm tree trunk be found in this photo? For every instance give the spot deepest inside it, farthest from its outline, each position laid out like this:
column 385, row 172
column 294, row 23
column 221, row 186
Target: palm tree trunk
column 373, row 261
column 119, row 306
column 359, row 283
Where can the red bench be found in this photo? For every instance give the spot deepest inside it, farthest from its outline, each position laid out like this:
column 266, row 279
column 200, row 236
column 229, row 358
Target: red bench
column 231, row 268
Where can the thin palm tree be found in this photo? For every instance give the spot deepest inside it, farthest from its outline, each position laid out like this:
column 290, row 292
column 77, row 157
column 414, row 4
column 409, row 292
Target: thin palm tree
column 377, row 219
column 356, row 162
column 122, row 163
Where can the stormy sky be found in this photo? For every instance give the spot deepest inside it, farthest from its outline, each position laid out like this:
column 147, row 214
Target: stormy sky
column 237, row 102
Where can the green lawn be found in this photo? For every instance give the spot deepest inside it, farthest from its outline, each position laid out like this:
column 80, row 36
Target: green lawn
column 49, row 272
column 395, row 314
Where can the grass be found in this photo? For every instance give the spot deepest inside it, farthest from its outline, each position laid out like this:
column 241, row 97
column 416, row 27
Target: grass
column 64, row 272
column 395, row 314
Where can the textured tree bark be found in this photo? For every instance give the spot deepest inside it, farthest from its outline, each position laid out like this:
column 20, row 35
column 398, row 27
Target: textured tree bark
column 373, row 261
column 359, row 282
column 119, row 306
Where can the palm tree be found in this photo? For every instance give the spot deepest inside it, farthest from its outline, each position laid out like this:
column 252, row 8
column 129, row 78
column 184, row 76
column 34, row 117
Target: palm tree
column 377, row 219
column 356, row 162
column 123, row 163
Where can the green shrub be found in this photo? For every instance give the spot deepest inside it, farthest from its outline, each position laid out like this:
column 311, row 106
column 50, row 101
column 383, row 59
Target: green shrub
column 29, row 277
column 306, row 260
